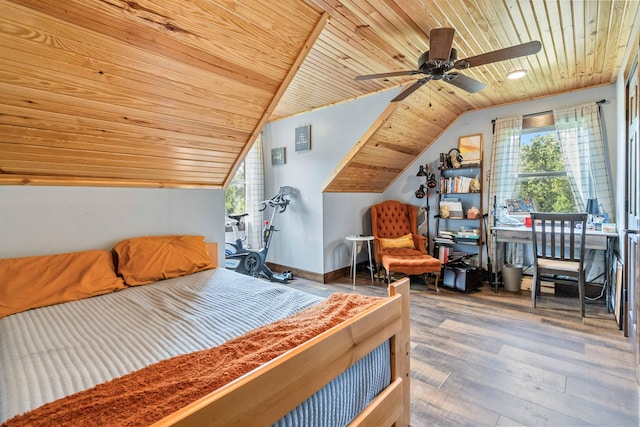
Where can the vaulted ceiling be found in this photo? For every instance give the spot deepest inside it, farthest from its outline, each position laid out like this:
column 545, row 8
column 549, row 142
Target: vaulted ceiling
column 173, row 93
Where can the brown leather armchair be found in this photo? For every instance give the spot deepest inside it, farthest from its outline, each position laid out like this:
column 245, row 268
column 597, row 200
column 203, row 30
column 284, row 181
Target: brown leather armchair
column 391, row 223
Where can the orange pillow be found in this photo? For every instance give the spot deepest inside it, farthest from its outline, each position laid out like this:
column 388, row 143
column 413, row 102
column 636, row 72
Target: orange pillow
column 405, row 241
column 38, row 281
column 143, row 260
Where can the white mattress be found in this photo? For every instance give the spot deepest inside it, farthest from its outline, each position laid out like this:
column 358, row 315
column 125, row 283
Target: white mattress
column 54, row 351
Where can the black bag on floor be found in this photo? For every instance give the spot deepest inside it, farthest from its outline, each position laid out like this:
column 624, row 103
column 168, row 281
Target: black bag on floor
column 462, row 276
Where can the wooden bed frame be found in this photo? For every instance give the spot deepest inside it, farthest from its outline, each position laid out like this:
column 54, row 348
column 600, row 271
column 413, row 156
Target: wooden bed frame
column 268, row 393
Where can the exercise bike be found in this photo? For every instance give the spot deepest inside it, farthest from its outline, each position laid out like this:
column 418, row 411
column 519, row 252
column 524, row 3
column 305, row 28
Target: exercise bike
column 252, row 262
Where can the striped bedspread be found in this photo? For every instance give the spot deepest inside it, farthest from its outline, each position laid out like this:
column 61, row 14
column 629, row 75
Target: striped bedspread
column 55, row 351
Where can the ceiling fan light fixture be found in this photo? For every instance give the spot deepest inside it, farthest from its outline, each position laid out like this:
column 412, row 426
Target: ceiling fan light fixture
column 516, row 74
column 438, row 62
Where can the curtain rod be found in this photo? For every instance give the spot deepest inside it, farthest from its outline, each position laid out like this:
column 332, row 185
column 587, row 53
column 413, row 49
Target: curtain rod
column 602, row 101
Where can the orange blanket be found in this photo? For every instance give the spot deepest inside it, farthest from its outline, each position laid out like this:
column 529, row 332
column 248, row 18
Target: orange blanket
column 146, row 396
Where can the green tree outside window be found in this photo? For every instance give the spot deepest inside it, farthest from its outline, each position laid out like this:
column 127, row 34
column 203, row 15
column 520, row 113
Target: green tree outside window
column 235, row 193
column 542, row 174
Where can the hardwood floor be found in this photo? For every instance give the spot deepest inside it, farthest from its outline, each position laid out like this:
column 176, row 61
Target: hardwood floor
column 487, row 359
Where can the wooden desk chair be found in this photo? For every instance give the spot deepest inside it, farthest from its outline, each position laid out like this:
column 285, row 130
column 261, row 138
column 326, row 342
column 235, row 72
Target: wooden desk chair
column 396, row 242
column 558, row 249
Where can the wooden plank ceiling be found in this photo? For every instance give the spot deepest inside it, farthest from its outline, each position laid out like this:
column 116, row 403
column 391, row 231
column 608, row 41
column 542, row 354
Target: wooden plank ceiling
column 173, row 93
column 142, row 93
column 583, row 45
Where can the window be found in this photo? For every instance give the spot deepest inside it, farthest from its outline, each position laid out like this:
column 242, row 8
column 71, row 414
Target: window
column 541, row 172
column 245, row 194
column 235, row 194
column 559, row 159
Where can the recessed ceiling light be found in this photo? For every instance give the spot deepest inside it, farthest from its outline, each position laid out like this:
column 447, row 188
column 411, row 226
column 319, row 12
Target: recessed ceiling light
column 516, row 74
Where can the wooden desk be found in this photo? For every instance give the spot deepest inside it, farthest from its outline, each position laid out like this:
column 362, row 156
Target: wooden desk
column 598, row 240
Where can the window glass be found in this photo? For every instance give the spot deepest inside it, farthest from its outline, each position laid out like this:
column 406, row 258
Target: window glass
column 235, row 194
column 245, row 194
column 541, row 172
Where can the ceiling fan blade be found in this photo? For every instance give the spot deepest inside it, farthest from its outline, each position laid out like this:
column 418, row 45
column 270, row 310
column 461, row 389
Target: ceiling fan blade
column 463, row 82
column 385, row 75
column 517, row 51
column 408, row 91
column 440, row 41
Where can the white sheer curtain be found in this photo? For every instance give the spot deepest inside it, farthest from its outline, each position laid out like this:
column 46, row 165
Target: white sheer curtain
column 505, row 158
column 254, row 193
column 587, row 165
column 505, row 162
column 584, row 154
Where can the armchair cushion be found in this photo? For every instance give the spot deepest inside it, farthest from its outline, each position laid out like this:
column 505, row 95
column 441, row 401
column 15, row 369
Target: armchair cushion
column 402, row 252
column 419, row 264
column 405, row 241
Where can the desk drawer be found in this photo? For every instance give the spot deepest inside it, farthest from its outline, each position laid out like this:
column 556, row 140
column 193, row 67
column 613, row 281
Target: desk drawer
column 509, row 236
column 596, row 242
column 524, row 236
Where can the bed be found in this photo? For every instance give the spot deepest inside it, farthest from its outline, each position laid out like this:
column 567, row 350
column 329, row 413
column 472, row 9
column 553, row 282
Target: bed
column 356, row 372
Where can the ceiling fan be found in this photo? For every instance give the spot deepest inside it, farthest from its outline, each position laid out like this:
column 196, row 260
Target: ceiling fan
column 438, row 63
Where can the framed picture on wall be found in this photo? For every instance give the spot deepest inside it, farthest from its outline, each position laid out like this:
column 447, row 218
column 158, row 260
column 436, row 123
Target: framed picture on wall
column 278, row 156
column 303, row 138
column 470, row 147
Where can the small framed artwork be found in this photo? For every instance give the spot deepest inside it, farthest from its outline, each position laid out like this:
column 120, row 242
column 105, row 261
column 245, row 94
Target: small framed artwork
column 470, row 147
column 278, row 156
column 303, row 138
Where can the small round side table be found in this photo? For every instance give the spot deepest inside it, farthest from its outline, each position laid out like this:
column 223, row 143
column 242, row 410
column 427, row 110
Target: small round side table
column 354, row 254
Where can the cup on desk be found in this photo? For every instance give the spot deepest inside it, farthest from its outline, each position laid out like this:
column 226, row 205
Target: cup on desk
column 527, row 221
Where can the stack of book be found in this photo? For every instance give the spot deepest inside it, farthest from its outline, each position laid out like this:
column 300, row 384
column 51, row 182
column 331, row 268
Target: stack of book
column 446, row 237
column 443, row 239
column 467, row 234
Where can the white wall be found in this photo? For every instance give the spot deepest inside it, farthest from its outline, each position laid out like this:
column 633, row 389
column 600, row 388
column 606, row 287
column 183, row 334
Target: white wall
column 479, row 122
column 46, row 220
column 345, row 214
column 303, row 239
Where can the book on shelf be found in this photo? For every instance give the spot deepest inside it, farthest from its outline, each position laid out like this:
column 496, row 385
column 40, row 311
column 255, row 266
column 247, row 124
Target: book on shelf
column 472, row 163
column 462, row 184
column 467, row 233
column 455, row 184
column 445, row 236
column 467, row 236
column 443, row 240
column 467, row 240
column 443, row 254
